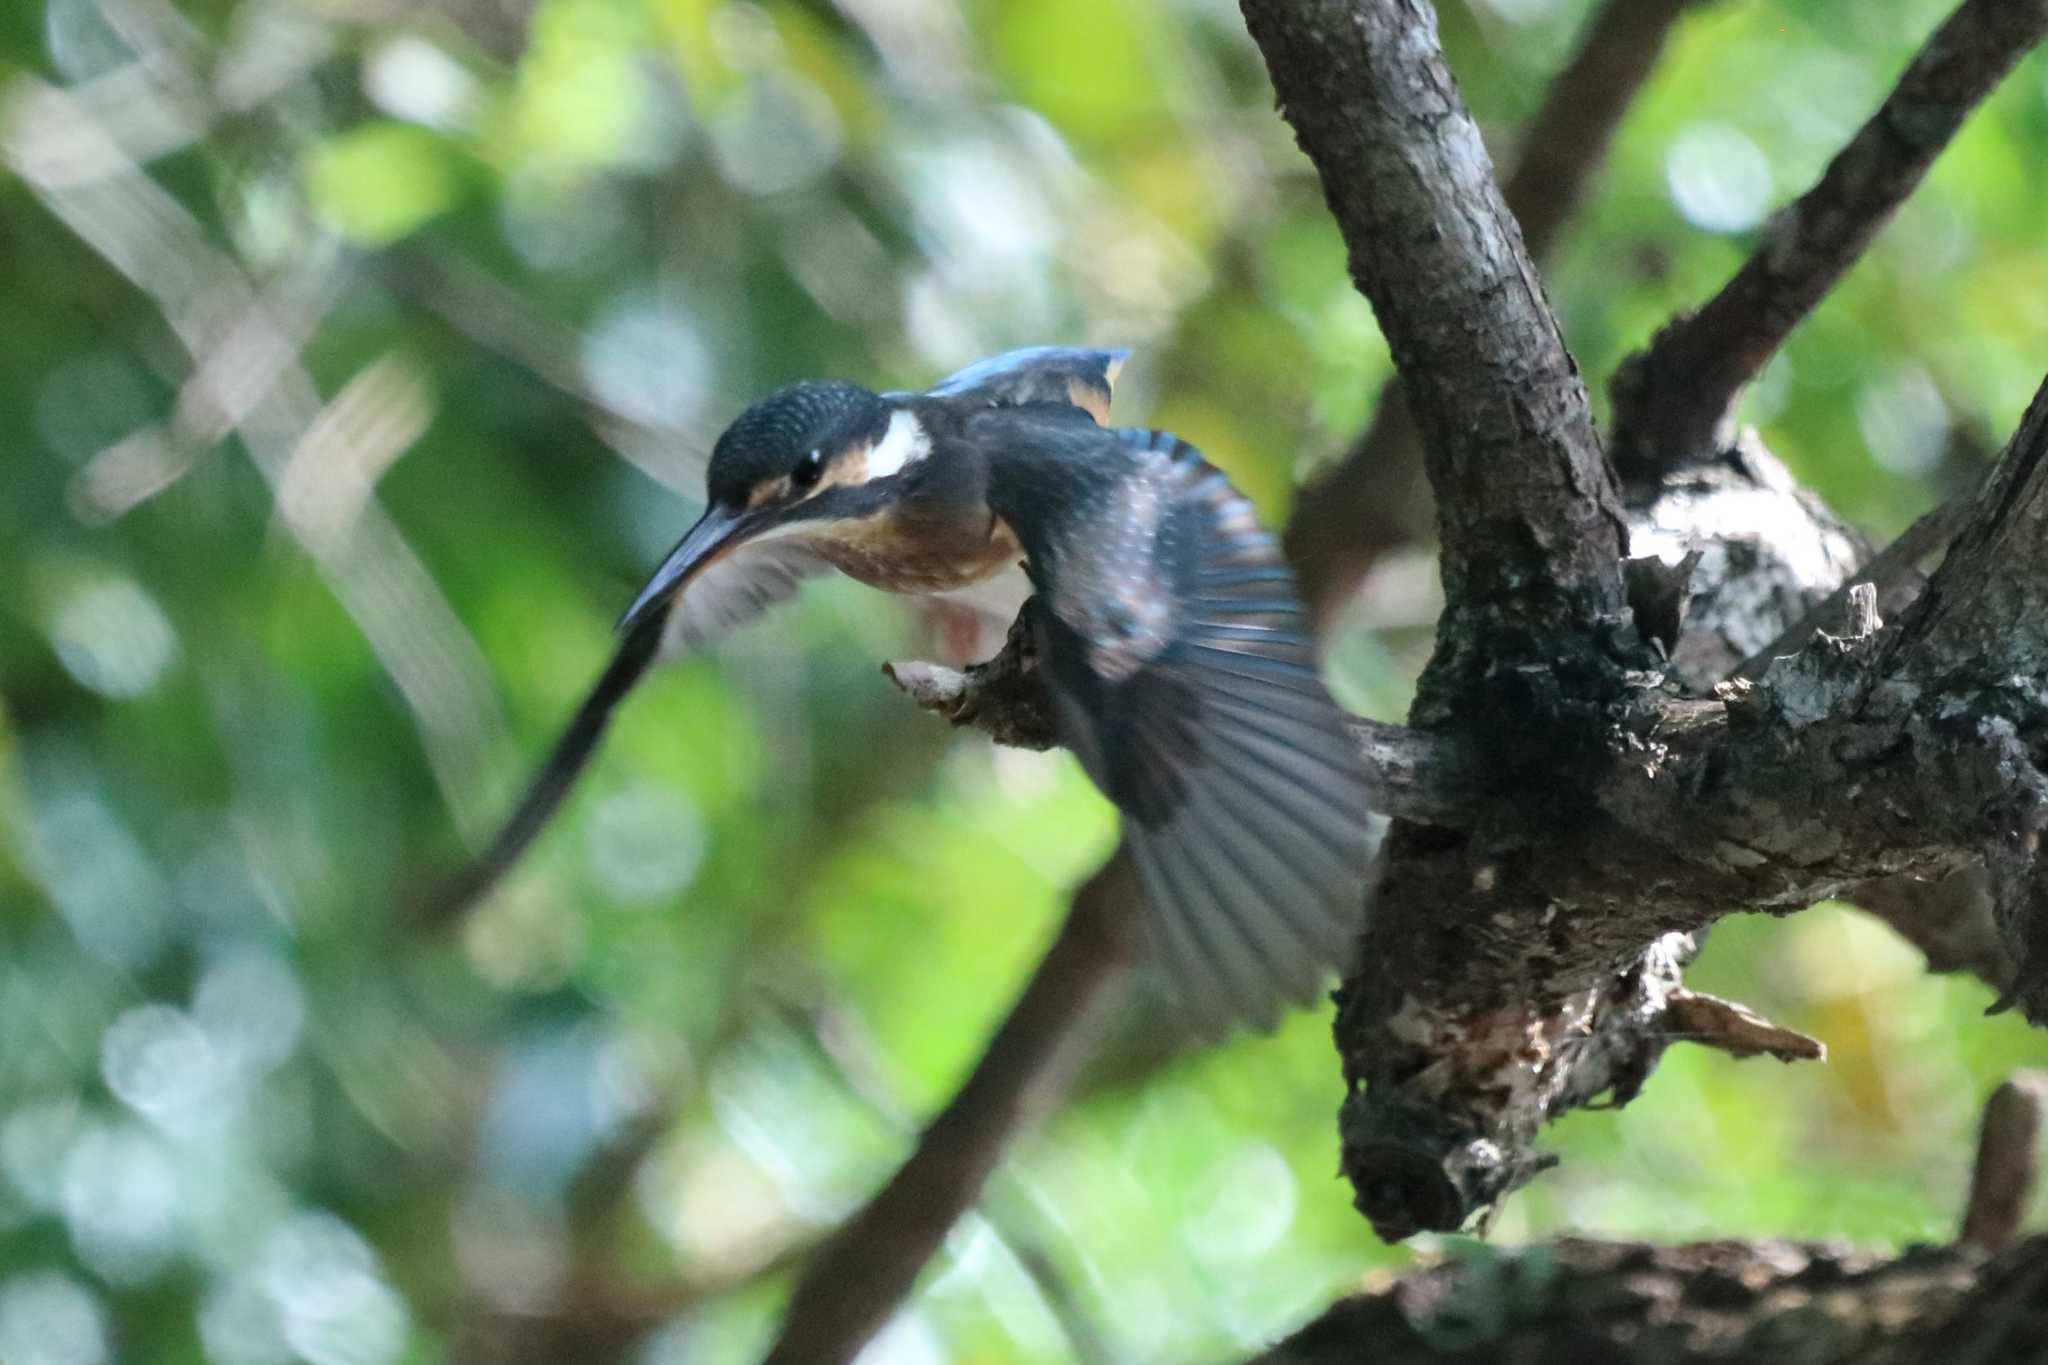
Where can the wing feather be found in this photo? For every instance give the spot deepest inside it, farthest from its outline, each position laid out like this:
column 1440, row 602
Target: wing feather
column 1193, row 968
column 1175, row 880
column 1275, row 961
column 1246, row 799
column 737, row 590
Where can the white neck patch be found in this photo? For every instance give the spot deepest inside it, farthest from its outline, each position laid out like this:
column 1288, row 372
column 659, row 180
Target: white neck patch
column 903, row 444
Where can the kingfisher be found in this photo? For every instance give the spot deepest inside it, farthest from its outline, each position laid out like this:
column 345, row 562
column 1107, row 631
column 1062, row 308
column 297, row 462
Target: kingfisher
column 1168, row 632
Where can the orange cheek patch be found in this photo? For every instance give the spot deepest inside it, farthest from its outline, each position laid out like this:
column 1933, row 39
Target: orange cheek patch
column 850, row 467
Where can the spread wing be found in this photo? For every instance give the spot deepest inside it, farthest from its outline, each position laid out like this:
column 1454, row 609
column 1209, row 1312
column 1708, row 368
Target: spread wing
column 737, row 590
column 723, row 597
column 1185, row 681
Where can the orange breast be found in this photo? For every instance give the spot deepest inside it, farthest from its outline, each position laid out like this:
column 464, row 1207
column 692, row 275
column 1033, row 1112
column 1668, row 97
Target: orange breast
column 886, row 552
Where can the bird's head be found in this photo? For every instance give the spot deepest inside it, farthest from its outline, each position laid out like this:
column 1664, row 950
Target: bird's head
column 802, row 459
column 811, row 458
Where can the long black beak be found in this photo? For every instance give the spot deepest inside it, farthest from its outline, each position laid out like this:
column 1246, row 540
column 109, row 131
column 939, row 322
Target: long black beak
column 642, row 626
column 716, row 530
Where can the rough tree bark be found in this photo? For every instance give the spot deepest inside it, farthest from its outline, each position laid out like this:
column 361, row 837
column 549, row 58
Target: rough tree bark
column 1530, row 521
column 1982, row 1300
column 1376, row 498
column 1719, row 1303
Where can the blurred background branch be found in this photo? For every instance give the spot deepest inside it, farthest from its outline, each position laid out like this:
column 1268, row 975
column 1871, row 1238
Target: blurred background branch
column 1673, row 401
column 852, row 1286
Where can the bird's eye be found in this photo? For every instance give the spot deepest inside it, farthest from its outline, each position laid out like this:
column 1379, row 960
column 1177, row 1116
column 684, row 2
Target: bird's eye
column 807, row 470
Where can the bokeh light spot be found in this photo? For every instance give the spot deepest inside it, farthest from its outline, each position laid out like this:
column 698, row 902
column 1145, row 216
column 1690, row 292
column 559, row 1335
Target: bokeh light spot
column 780, row 135
column 645, row 843
column 121, row 1204
column 251, row 1008
column 34, row 1141
column 411, row 78
column 1250, row 1206
column 100, row 878
column 239, row 1324
column 113, row 638
column 1904, row 420
column 646, row 362
column 50, row 1319
column 335, row 1306
column 582, row 231
column 159, row 1062
column 1718, row 178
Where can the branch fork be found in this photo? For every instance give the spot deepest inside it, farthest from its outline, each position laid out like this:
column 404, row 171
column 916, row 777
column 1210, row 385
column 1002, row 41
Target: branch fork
column 1564, row 822
column 1570, row 806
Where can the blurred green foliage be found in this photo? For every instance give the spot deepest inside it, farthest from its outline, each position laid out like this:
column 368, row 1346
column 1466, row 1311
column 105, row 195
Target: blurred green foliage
column 356, row 357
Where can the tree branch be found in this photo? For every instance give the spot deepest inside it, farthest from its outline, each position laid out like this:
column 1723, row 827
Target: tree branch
column 1530, row 519
column 1516, row 968
column 1716, row 1303
column 1375, row 497
column 1672, row 402
column 1983, row 610
column 1710, row 1303
column 1977, row 641
column 2008, row 1152
column 854, row 1283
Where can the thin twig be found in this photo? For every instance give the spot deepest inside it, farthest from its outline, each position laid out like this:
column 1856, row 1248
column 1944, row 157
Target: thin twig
column 1671, row 402
column 855, row 1282
column 1736, row 1029
column 2008, row 1157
